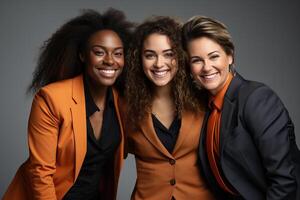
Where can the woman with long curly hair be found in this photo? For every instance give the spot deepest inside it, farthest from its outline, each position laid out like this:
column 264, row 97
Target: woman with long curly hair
column 163, row 119
column 74, row 131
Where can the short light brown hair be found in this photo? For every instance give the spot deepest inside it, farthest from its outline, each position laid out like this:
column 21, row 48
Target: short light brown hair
column 201, row 26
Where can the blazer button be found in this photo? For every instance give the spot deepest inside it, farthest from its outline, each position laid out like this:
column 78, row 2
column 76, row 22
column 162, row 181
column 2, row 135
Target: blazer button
column 172, row 161
column 172, row 182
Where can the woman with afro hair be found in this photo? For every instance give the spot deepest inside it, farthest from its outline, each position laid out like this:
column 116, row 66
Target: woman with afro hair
column 74, row 132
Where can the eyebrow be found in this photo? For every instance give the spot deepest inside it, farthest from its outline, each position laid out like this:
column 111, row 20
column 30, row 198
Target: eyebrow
column 103, row 47
column 207, row 54
column 152, row 51
column 195, row 57
column 213, row 52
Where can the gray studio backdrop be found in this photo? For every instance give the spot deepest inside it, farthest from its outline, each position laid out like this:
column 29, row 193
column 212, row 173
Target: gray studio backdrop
column 265, row 34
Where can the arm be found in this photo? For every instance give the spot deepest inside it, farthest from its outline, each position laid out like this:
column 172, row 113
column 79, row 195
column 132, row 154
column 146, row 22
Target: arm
column 43, row 128
column 270, row 126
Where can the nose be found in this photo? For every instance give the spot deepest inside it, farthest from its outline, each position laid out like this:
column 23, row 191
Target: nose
column 206, row 65
column 159, row 62
column 108, row 60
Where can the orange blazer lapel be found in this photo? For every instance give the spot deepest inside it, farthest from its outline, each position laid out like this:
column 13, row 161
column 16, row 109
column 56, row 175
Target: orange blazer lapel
column 149, row 132
column 120, row 152
column 79, row 122
column 190, row 128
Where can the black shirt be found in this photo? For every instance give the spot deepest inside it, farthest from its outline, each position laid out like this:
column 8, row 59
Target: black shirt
column 99, row 152
column 168, row 137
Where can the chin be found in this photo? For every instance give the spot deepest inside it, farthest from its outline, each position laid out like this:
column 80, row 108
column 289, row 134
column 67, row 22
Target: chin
column 161, row 83
column 209, row 87
column 107, row 83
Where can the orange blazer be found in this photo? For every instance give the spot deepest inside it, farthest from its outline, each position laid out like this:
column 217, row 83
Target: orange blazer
column 57, row 144
column 161, row 175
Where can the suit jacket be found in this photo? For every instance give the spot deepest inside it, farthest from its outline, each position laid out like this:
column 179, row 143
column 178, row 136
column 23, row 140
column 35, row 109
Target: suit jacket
column 57, row 144
column 161, row 175
column 257, row 144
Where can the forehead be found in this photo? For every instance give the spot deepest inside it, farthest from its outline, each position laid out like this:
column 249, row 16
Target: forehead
column 157, row 41
column 203, row 45
column 105, row 38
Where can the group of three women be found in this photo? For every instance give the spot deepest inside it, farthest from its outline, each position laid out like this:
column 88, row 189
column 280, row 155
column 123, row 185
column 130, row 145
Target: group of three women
column 198, row 130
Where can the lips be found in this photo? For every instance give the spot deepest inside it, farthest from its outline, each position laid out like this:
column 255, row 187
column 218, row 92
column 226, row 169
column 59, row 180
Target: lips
column 108, row 73
column 209, row 76
column 160, row 73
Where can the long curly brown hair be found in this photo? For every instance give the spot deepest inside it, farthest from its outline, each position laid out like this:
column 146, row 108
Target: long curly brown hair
column 139, row 89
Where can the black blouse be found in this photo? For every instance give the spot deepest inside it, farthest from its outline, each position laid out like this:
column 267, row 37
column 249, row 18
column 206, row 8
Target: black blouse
column 168, row 137
column 99, row 152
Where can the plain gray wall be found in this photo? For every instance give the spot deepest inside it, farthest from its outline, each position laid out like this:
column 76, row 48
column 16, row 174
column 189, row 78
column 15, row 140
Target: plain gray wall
column 265, row 34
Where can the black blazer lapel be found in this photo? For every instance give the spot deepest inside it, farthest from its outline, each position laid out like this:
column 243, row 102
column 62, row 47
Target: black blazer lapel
column 228, row 121
column 229, row 110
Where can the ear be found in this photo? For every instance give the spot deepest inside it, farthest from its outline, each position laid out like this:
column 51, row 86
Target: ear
column 81, row 57
column 230, row 59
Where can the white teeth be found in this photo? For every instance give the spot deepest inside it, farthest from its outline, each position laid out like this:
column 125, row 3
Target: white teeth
column 160, row 73
column 209, row 76
column 108, row 71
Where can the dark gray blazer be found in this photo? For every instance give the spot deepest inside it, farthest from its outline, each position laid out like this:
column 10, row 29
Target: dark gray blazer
column 258, row 151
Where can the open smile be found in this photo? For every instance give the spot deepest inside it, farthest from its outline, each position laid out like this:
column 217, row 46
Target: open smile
column 160, row 73
column 209, row 76
column 109, row 73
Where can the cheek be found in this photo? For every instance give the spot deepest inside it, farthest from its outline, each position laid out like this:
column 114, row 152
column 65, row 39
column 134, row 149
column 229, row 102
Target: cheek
column 174, row 63
column 224, row 68
column 120, row 62
column 93, row 60
column 195, row 70
column 223, row 64
column 147, row 64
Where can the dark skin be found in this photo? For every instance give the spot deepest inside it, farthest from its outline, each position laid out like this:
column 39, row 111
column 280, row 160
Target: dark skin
column 104, row 62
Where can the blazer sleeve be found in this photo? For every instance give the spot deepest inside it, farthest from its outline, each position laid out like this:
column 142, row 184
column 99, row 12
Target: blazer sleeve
column 43, row 128
column 270, row 126
column 123, row 115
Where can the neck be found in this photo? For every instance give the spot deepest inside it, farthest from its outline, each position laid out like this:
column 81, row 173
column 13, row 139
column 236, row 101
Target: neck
column 163, row 100
column 215, row 92
column 98, row 93
column 162, row 92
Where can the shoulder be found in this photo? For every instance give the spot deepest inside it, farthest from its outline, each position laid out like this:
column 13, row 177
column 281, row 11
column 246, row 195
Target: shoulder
column 57, row 93
column 59, row 88
column 247, row 90
column 261, row 107
column 253, row 92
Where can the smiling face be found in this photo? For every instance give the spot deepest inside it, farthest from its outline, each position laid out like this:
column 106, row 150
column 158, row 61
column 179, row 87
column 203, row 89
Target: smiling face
column 209, row 63
column 159, row 60
column 104, row 58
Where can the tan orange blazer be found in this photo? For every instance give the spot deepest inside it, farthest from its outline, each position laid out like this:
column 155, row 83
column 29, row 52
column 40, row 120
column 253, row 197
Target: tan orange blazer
column 161, row 175
column 57, row 144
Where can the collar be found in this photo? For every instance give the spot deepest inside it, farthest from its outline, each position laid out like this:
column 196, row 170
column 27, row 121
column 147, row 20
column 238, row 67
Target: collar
column 91, row 106
column 218, row 99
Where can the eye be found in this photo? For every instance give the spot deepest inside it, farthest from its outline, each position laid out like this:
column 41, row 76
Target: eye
column 169, row 55
column 118, row 54
column 214, row 57
column 149, row 56
column 196, row 61
column 98, row 52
